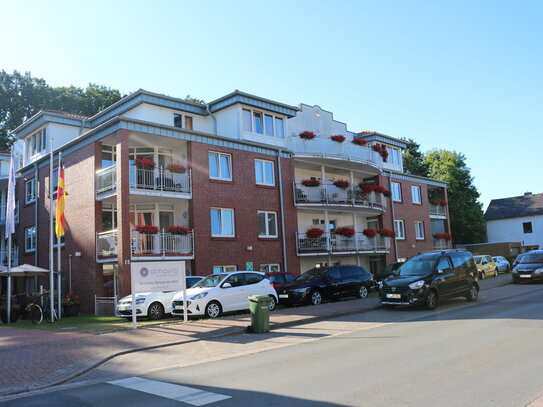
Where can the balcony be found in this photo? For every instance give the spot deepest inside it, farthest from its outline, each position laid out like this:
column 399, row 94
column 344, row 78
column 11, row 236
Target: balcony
column 106, row 246
column 328, row 152
column 333, row 243
column 157, row 181
column 14, row 257
column 163, row 245
column 440, row 244
column 3, row 213
column 330, row 195
column 438, row 211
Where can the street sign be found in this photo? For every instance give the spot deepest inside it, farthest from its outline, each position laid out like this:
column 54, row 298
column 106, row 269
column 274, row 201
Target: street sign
column 249, row 266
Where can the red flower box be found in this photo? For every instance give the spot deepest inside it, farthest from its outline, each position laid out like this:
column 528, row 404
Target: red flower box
column 366, row 188
column 147, row 229
column 179, row 230
column 386, row 232
column 387, row 193
column 438, row 202
column 365, row 133
column 144, row 163
column 341, row 183
column 345, row 231
column 369, row 232
column 439, row 236
column 307, row 135
column 314, row 233
column 379, row 189
column 338, row 138
column 312, row 182
column 381, row 149
column 359, row 141
column 176, row 168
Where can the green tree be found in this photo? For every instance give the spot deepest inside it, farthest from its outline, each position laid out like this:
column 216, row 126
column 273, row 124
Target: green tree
column 413, row 159
column 189, row 98
column 465, row 211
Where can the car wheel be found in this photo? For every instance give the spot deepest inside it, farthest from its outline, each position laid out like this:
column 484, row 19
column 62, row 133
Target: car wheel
column 431, row 300
column 316, row 297
column 155, row 311
column 213, row 309
column 273, row 303
column 482, row 275
column 473, row 293
column 496, row 273
column 363, row 292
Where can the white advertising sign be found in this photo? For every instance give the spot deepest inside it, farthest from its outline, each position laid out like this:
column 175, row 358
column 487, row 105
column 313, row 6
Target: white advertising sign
column 157, row 276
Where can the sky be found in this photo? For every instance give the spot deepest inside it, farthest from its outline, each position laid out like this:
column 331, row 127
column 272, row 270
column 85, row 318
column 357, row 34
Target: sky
column 457, row 75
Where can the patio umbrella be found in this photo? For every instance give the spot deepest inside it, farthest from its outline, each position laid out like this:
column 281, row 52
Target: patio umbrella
column 24, row 270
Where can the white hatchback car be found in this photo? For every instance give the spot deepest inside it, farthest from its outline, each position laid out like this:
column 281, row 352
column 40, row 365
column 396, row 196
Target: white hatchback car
column 152, row 305
column 224, row 292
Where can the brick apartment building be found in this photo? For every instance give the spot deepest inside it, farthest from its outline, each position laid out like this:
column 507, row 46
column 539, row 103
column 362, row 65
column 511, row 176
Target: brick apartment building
column 235, row 173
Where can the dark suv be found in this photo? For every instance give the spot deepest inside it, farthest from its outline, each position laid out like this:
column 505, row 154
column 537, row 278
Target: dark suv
column 427, row 277
column 326, row 283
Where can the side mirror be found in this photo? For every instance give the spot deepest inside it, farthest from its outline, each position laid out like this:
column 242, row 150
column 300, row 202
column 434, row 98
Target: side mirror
column 440, row 271
column 226, row 285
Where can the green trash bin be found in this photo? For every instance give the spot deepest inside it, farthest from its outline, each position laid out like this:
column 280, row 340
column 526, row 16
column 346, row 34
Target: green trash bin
column 259, row 306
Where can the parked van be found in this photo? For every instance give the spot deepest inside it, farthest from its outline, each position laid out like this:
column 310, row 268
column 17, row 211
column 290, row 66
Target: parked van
column 430, row 276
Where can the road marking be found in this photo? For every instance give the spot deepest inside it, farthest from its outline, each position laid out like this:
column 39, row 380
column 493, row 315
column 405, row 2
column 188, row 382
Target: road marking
column 184, row 394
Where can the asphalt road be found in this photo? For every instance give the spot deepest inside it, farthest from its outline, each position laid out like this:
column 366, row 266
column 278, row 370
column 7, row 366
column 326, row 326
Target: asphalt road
column 463, row 354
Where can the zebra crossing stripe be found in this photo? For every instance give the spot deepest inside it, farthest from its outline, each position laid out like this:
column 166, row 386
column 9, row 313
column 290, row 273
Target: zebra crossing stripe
column 177, row 392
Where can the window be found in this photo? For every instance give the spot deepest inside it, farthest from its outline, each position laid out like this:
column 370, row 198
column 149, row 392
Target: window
column 30, row 191
column 247, row 120
column 444, row 264
column 109, row 217
column 253, row 278
column 36, row 143
column 396, row 191
column 419, row 230
column 416, row 195
column 527, row 227
column 224, row 269
column 264, row 172
column 182, row 121
column 30, row 239
column 393, row 155
column 279, row 128
column 260, row 123
column 222, row 222
column 236, row 280
column 188, row 122
column 270, row 268
column 268, row 120
column 108, row 156
column 399, row 229
column 220, row 166
column 267, row 224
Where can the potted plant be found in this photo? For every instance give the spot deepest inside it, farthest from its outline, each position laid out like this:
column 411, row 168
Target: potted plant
column 14, row 315
column 439, row 236
column 366, row 188
column 345, row 231
column 386, row 232
column 341, row 183
column 314, row 233
column 381, row 149
column 307, row 135
column 147, row 229
column 369, row 232
column 144, row 163
column 379, row 189
column 338, row 138
column 438, row 202
column 311, row 182
column 179, row 230
column 176, row 168
column 359, row 141
column 387, row 193
column 365, row 133
column 71, row 306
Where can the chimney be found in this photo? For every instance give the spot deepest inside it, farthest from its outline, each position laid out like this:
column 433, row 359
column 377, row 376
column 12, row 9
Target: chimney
column 527, row 194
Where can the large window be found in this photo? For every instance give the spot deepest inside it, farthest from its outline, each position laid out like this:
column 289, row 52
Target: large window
column 267, row 224
column 399, row 229
column 419, row 230
column 273, row 268
column 255, row 121
column 36, row 143
column 396, row 191
column 393, row 155
column 416, row 195
column 527, row 227
column 224, row 269
column 30, row 239
column 222, row 222
column 30, row 191
column 264, row 172
column 220, row 166
column 108, row 156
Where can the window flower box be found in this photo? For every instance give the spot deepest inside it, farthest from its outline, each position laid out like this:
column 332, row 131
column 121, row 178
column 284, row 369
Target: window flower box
column 176, row 168
column 379, row 189
column 369, row 232
column 307, row 135
column 341, row 183
column 366, row 188
column 344, row 231
column 179, row 230
column 445, row 236
column 144, row 163
column 338, row 138
column 359, row 141
column 365, row 133
column 438, row 202
column 386, row 232
column 312, row 182
column 147, row 229
column 314, row 233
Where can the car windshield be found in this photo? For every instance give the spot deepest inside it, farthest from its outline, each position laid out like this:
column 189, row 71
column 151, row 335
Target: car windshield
column 478, row 259
column 311, row 275
column 532, row 258
column 210, row 281
column 421, row 266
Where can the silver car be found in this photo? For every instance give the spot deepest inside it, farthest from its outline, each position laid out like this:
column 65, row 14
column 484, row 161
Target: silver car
column 502, row 264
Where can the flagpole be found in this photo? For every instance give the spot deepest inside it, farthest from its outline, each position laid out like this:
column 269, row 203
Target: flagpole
column 59, row 294
column 51, row 250
column 10, row 225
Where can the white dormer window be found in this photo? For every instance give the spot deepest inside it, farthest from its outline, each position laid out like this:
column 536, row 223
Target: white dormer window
column 393, row 155
column 255, row 121
column 36, row 143
column 182, row 121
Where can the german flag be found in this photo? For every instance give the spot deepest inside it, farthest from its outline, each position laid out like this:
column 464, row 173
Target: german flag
column 61, row 196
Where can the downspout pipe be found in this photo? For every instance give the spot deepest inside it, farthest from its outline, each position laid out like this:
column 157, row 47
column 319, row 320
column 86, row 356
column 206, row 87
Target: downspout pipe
column 214, row 119
column 388, row 174
column 281, row 210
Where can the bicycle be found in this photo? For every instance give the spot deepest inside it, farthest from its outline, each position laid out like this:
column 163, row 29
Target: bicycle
column 36, row 314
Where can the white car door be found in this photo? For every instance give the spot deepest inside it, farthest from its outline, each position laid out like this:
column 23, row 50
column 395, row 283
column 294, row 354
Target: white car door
column 233, row 298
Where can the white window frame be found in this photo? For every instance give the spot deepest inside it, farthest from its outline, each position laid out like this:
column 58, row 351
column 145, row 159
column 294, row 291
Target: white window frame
column 30, row 184
column 267, row 268
column 396, row 188
column 266, row 220
column 399, row 229
column 225, row 268
column 221, row 218
column 414, row 194
column 183, row 120
column 419, row 230
column 264, row 114
column 36, row 143
column 33, row 239
column 393, row 155
column 263, row 172
column 219, row 155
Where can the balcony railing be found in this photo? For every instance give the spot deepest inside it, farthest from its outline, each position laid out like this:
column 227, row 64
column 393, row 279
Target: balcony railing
column 157, row 179
column 3, row 214
column 334, row 243
column 14, row 257
column 163, row 244
column 329, row 194
column 106, row 245
column 325, row 147
column 440, row 244
column 438, row 210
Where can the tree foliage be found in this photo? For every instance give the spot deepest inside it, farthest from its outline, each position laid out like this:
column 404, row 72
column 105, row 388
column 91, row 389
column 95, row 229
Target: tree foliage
column 22, row 96
column 465, row 211
column 413, row 159
column 189, row 98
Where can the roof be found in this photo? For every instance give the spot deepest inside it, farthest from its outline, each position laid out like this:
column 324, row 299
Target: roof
column 515, row 207
column 79, row 116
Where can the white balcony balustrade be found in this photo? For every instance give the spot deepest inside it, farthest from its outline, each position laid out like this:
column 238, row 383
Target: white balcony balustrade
column 438, row 210
column 106, row 245
column 330, row 195
column 336, row 243
column 162, row 244
column 440, row 244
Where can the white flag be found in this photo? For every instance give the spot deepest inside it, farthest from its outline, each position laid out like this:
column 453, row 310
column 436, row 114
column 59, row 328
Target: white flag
column 10, row 206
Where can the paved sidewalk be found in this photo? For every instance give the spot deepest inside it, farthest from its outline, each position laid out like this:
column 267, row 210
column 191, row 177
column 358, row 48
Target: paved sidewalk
column 32, row 359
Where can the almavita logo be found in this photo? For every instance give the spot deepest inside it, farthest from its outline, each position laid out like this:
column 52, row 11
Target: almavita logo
column 144, row 272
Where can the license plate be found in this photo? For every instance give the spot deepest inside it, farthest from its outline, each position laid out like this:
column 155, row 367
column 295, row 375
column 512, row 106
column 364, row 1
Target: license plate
column 525, row 276
column 283, row 295
column 178, row 307
column 396, row 296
